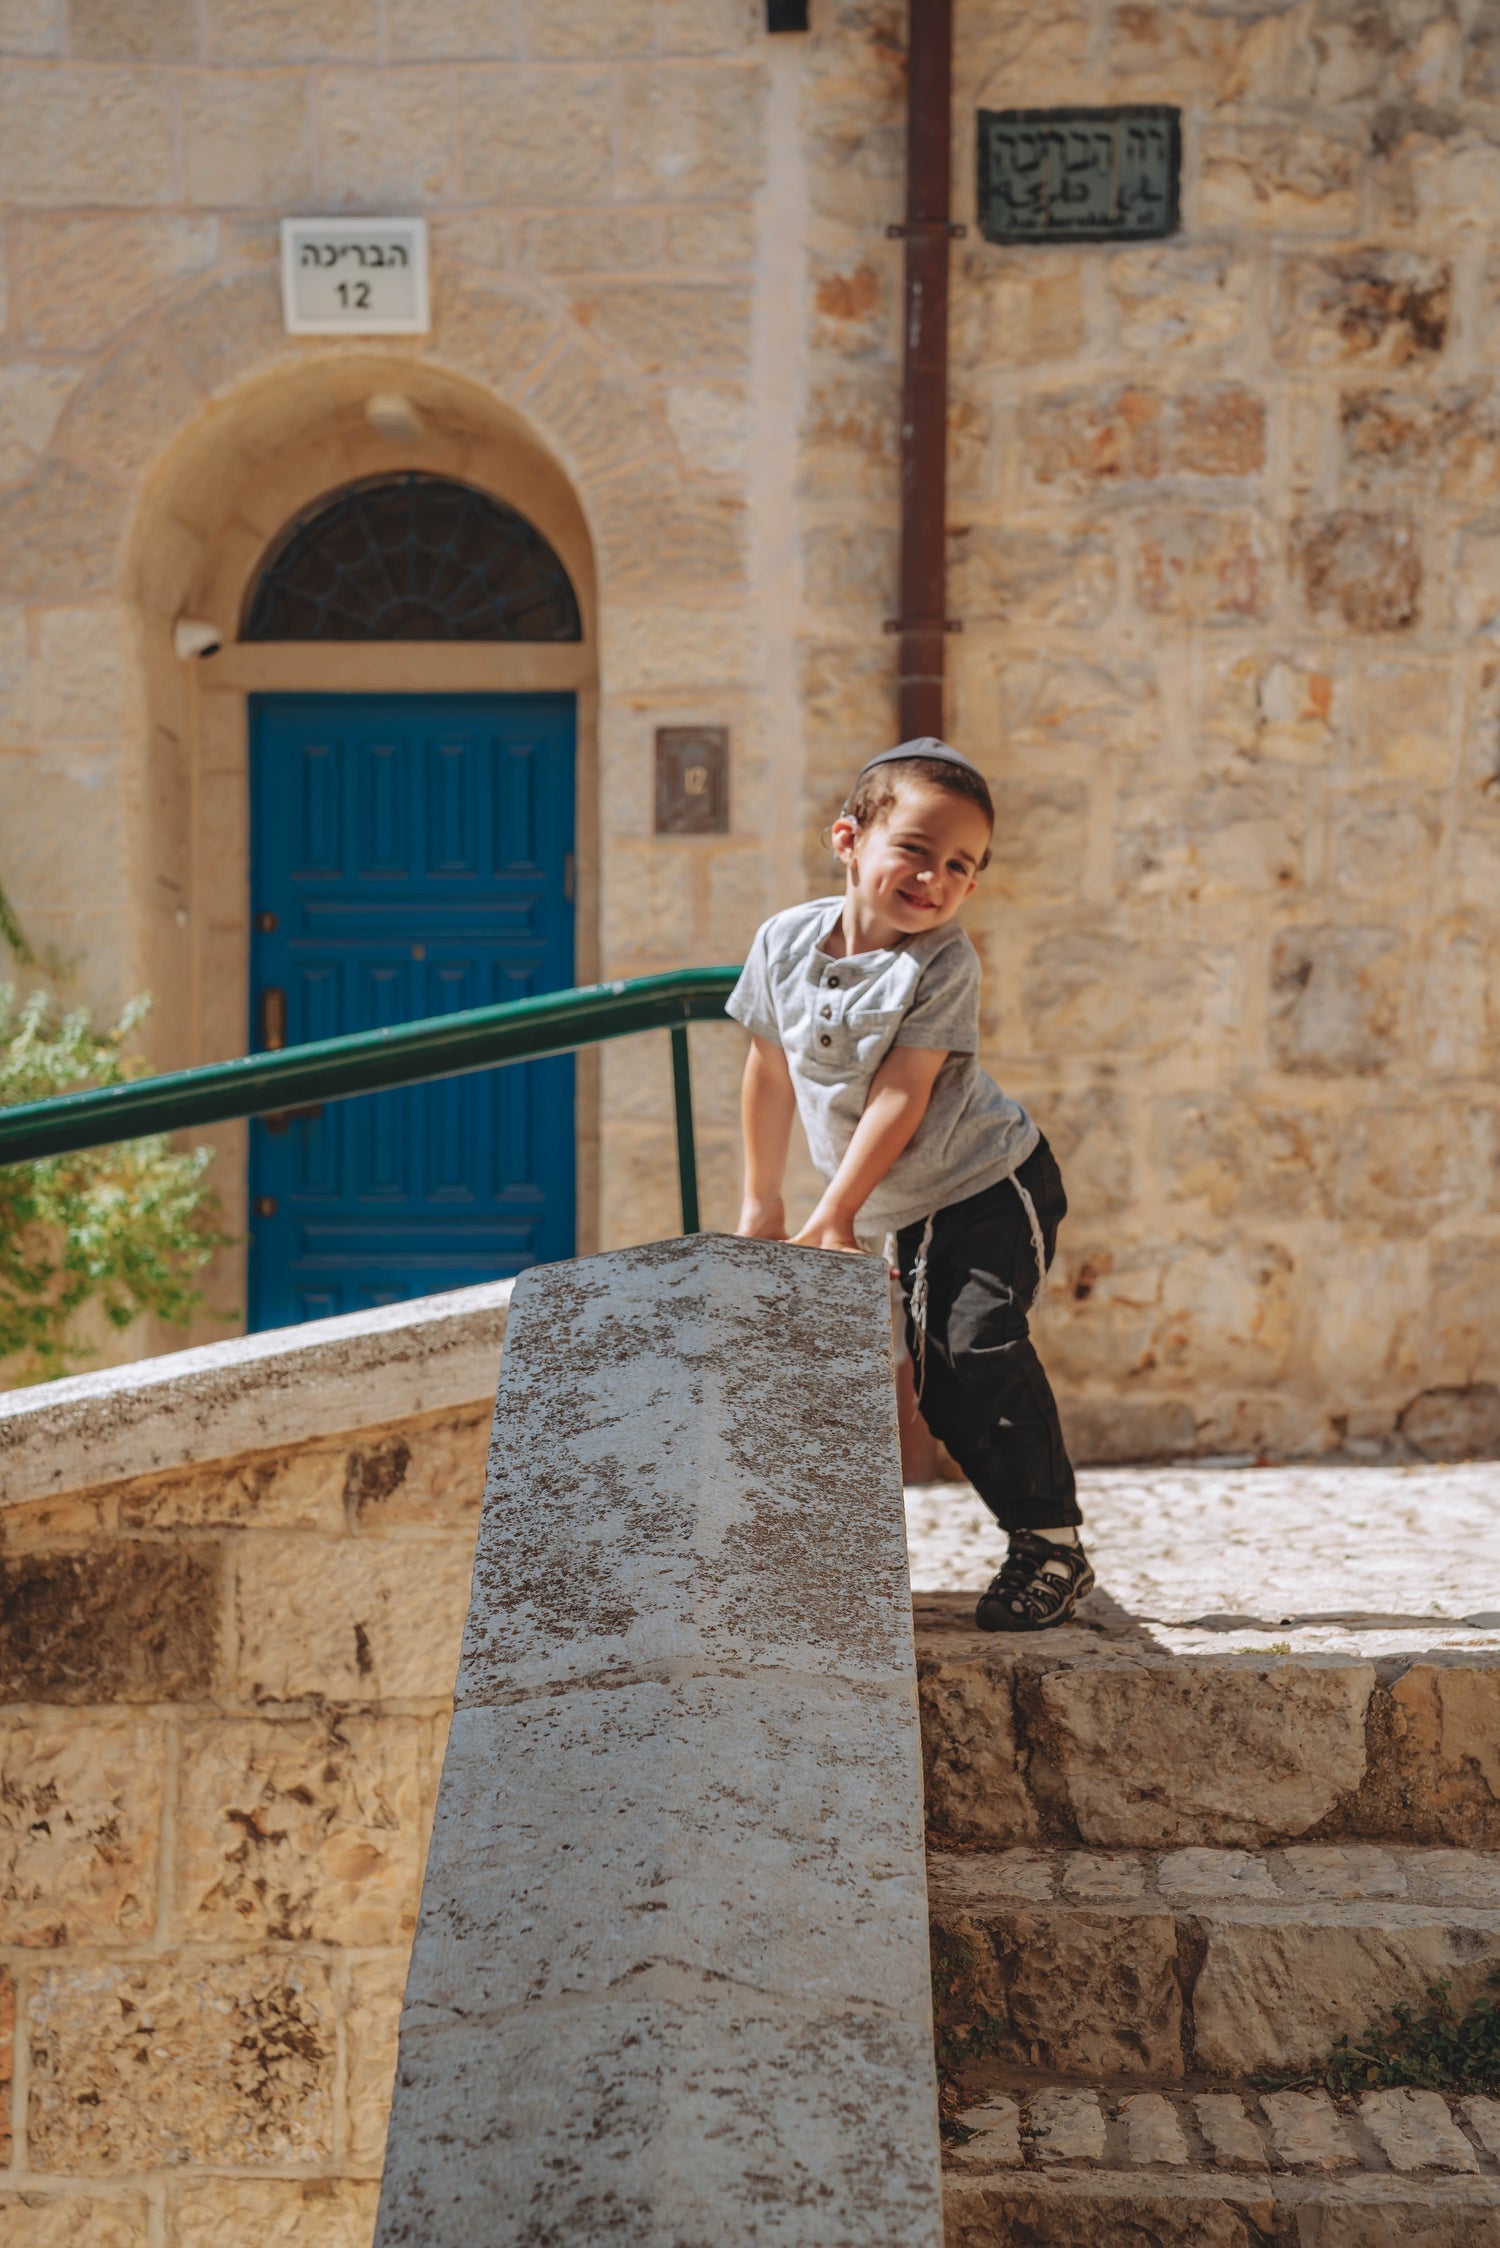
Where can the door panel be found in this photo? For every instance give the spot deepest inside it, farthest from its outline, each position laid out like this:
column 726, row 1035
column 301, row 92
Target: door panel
column 407, row 859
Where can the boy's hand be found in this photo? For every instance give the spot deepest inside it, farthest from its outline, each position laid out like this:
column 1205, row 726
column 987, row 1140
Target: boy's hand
column 763, row 1221
column 827, row 1233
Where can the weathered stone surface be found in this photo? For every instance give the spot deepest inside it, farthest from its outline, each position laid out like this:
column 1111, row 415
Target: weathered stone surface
column 1023, row 578
column 1365, row 569
column 1483, row 2118
column 1083, row 439
column 1277, row 1988
column 359, row 1620
column 1345, row 1872
column 278, row 31
column 1229, row 2131
column 121, row 422
column 259, row 1393
column 74, row 2220
column 1106, row 1878
column 1290, row 177
column 759, row 1814
column 229, row 326
column 1084, row 1991
column 372, row 2018
column 79, row 277
column 1444, row 1750
column 1190, row 298
column 247, row 140
column 117, row 1622
column 1067, row 2126
column 1049, row 706
column 692, row 129
column 135, row 2067
column 388, row 136
column 677, row 328
column 7, row 2059
column 1306, row 2131
column 59, row 532
column 1370, row 308
column 467, row 30
column 997, row 2125
column 300, row 1832
column 85, row 137
column 1454, row 1424
column 540, row 136
column 658, row 535
column 428, row 1476
column 1215, row 1873
column 80, row 1811
column 229, row 2212
column 1070, row 996
column 1228, row 1751
column 1335, row 992
column 1415, row 2131
column 31, row 398
column 1203, row 568
column 133, row 30
column 1152, row 2130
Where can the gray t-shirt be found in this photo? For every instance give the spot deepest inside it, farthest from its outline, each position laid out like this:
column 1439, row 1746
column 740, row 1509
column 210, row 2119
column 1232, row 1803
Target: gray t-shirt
column 836, row 1020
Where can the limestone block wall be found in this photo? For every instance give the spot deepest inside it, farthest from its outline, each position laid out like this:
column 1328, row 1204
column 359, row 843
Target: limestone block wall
column 226, row 1695
column 225, row 1683
column 1223, row 548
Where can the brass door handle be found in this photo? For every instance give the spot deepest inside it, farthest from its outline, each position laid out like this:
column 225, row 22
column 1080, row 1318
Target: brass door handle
column 272, row 1019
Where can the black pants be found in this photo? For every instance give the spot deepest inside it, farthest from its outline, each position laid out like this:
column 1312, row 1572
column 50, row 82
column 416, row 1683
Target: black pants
column 984, row 1393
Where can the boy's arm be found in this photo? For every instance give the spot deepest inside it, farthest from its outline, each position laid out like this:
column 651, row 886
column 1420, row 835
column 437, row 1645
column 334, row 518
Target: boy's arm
column 899, row 1093
column 767, row 1106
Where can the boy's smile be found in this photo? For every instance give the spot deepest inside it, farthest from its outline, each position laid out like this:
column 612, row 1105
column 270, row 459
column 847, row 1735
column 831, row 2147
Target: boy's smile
column 911, row 869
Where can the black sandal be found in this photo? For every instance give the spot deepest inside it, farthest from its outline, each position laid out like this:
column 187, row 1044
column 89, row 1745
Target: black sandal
column 1040, row 1585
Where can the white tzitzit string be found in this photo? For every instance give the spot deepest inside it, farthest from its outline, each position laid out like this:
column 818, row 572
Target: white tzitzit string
column 919, row 1277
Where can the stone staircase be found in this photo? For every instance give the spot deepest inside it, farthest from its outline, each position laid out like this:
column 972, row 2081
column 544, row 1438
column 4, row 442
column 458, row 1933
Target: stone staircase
column 1154, row 1877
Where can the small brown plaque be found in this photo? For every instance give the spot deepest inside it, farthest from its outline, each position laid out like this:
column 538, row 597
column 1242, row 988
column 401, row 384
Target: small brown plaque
column 692, row 780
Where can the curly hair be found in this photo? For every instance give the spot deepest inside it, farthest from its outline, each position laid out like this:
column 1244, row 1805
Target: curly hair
column 874, row 794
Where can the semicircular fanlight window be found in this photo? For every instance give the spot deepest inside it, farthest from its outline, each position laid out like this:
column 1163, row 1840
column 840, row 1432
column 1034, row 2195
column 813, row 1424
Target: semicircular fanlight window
column 412, row 557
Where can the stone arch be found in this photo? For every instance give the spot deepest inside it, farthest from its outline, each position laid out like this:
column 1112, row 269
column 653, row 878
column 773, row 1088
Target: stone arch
column 224, row 489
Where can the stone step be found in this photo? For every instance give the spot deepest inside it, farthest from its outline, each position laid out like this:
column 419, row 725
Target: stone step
column 1064, row 2166
column 1095, row 1734
column 1196, row 1962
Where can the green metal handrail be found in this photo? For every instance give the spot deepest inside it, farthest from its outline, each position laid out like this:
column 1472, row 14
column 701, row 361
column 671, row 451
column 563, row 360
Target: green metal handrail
column 375, row 1061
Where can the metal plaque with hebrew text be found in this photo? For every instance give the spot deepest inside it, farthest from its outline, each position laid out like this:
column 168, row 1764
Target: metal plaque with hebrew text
column 1079, row 175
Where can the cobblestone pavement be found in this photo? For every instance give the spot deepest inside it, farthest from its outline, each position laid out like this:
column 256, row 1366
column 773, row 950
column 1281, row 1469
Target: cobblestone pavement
column 1373, row 1560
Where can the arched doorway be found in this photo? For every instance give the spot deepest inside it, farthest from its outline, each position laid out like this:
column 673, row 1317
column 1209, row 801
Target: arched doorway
column 411, row 854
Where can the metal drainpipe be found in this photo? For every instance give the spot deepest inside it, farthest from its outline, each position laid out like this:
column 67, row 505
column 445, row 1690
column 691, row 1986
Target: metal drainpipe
column 924, row 398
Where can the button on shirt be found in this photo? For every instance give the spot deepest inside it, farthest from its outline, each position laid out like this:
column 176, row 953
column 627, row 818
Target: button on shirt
column 836, row 1020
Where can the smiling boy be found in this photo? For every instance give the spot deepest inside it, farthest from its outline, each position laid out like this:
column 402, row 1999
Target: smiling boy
column 864, row 1019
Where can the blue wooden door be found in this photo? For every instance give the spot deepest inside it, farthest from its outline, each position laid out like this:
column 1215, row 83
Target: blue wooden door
column 410, row 856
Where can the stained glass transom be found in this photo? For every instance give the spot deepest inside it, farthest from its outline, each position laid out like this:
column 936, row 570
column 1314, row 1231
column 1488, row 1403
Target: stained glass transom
column 412, row 557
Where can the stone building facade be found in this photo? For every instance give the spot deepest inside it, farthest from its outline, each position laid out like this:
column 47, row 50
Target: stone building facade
column 1225, row 547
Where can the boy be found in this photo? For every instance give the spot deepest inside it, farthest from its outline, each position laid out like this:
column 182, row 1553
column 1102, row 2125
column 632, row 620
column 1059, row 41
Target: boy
column 864, row 1017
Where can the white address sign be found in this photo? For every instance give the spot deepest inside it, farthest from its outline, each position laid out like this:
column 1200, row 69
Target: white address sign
column 354, row 277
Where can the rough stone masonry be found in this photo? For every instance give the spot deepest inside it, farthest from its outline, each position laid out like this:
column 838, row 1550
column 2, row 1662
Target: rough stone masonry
column 1224, row 545
column 670, row 1978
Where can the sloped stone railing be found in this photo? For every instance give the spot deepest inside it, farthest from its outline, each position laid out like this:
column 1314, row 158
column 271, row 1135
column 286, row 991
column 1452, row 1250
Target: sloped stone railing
column 670, row 1981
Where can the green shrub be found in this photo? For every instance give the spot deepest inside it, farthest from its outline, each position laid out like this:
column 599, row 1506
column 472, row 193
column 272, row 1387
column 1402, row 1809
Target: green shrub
column 124, row 1229
column 1437, row 2049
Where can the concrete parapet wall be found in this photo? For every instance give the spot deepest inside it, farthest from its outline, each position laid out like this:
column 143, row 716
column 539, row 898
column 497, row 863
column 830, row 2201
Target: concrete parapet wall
column 226, row 1669
column 670, row 1981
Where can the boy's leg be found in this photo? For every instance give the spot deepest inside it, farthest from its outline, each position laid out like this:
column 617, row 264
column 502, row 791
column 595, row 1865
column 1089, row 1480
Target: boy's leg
column 984, row 1392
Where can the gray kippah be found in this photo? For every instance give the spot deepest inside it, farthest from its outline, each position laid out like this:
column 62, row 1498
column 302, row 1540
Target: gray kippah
column 929, row 747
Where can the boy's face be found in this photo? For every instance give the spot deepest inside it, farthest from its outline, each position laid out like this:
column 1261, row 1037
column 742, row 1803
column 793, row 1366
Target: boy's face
column 918, row 863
